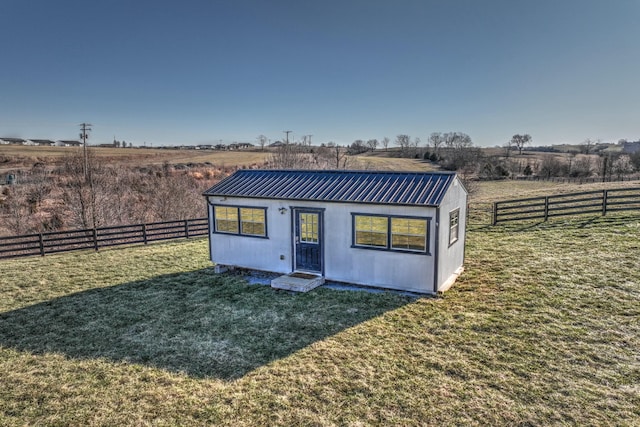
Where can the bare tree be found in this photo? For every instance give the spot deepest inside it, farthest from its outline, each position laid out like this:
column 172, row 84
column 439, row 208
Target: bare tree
column 436, row 140
column 16, row 210
column 457, row 140
column 589, row 144
column 622, row 166
column 358, row 146
column 550, row 166
column 291, row 156
column 403, row 141
column 340, row 157
column 330, row 156
column 262, row 141
column 80, row 192
column 519, row 141
column 507, row 149
column 385, row 143
column 414, row 145
column 582, row 167
column 372, row 143
column 459, row 150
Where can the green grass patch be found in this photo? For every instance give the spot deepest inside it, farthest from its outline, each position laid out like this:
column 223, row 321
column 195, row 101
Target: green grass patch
column 541, row 329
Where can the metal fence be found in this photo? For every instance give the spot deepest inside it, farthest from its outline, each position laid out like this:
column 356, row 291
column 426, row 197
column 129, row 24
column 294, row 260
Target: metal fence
column 96, row 238
column 587, row 202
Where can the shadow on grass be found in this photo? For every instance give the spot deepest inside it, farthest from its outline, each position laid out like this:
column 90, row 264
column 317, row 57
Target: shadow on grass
column 202, row 324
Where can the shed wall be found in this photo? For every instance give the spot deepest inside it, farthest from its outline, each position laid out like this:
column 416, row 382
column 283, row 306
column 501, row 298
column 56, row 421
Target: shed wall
column 451, row 257
column 396, row 270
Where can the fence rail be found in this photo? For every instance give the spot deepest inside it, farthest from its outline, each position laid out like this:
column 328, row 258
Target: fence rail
column 587, row 202
column 101, row 237
column 583, row 180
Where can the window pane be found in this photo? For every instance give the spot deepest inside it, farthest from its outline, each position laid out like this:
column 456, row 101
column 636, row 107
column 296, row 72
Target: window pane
column 454, row 221
column 308, row 227
column 409, row 234
column 371, row 231
column 252, row 221
column 226, row 219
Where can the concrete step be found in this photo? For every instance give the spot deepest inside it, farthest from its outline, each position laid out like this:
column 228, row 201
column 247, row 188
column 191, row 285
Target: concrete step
column 297, row 282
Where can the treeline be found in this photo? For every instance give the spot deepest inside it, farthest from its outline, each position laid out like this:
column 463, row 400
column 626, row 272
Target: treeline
column 87, row 192
column 455, row 151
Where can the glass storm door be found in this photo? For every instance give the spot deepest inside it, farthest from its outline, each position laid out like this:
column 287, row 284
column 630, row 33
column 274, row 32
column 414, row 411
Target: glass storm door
column 308, row 240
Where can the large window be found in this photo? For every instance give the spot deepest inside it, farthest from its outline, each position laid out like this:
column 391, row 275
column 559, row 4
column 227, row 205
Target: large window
column 394, row 233
column 245, row 221
column 454, row 226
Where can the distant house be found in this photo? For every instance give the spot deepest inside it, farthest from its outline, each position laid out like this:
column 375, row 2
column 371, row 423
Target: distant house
column 276, row 144
column 69, row 143
column 393, row 230
column 13, row 141
column 42, row 142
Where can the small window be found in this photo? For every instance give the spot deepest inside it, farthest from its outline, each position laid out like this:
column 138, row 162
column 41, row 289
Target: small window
column 409, row 234
column 252, row 222
column 244, row 221
column 226, row 219
column 308, row 227
column 371, row 231
column 454, row 226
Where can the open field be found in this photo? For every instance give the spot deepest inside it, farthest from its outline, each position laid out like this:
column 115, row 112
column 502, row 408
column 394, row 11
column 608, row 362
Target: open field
column 541, row 329
column 136, row 156
column 28, row 155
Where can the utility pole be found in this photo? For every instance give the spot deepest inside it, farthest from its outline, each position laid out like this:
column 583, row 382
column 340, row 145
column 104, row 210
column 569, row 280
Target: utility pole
column 309, row 139
column 287, row 132
column 85, row 128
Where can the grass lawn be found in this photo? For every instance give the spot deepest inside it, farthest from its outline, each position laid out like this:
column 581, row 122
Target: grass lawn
column 542, row 329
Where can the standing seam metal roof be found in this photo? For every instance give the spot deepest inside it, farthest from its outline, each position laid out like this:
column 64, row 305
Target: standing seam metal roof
column 401, row 188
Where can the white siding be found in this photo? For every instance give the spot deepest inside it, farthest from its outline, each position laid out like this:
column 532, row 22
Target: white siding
column 451, row 257
column 254, row 252
column 388, row 269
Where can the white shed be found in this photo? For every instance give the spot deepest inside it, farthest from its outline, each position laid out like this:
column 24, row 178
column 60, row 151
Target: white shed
column 397, row 230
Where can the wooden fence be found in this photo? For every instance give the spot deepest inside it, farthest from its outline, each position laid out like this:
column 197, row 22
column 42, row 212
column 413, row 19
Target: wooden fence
column 583, row 180
column 72, row 240
column 588, row 202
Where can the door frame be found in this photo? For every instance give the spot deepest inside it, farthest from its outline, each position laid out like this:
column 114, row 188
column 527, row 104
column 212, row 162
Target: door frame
column 295, row 210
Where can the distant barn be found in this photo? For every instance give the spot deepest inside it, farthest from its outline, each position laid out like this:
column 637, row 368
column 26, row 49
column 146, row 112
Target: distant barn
column 384, row 229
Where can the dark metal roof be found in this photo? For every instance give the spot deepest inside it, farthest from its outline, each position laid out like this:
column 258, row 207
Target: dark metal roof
column 399, row 188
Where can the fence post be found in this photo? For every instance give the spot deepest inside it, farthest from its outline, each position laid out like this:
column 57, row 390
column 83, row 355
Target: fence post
column 495, row 213
column 41, row 245
column 144, row 233
column 604, row 202
column 546, row 208
column 95, row 239
column 186, row 228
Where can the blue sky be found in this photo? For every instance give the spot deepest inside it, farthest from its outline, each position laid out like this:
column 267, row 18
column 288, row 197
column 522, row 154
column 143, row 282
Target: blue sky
column 190, row 72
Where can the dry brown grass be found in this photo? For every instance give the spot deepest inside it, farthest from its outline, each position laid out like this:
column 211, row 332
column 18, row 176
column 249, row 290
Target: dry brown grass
column 27, row 155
